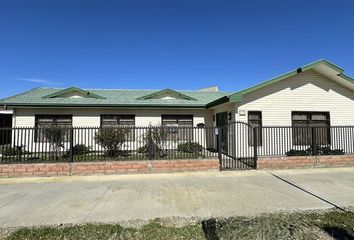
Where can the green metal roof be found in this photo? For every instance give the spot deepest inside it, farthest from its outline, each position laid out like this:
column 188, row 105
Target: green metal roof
column 238, row 96
column 50, row 97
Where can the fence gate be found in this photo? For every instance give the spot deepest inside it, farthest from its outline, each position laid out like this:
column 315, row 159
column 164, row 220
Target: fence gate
column 237, row 150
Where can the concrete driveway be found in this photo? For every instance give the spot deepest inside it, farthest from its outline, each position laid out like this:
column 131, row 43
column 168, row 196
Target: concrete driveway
column 38, row 201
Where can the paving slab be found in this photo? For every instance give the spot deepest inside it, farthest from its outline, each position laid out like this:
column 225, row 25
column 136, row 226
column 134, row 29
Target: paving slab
column 41, row 201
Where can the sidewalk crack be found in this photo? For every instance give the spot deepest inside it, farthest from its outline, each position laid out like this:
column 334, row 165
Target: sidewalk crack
column 308, row 192
column 94, row 206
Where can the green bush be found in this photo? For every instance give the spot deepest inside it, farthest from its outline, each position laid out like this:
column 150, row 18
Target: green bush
column 111, row 139
column 318, row 151
column 189, row 147
column 329, row 151
column 80, row 149
column 156, row 151
column 153, row 140
column 293, row 152
column 12, row 151
column 56, row 136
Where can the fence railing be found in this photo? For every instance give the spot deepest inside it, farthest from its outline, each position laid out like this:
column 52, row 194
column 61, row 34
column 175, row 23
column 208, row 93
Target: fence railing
column 305, row 141
column 57, row 144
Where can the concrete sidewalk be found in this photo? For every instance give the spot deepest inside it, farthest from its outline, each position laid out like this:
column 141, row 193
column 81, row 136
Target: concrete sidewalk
column 39, row 201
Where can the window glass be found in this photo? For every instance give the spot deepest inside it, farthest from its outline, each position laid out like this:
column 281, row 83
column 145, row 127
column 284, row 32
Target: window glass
column 306, row 124
column 178, row 127
column 45, row 121
column 127, row 121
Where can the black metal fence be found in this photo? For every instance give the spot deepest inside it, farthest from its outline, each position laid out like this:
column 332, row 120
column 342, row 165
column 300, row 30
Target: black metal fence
column 305, row 141
column 57, row 144
column 237, row 145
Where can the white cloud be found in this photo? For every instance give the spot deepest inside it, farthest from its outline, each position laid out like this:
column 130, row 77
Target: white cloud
column 36, row 80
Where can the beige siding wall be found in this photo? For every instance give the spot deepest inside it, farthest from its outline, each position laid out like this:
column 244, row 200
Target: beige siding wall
column 308, row 91
column 91, row 117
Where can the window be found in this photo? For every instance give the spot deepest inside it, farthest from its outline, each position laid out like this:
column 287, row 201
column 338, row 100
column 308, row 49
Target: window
column 305, row 124
column 255, row 120
column 179, row 127
column 45, row 121
column 127, row 121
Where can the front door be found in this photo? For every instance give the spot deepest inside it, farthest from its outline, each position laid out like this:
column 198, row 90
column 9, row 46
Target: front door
column 221, row 122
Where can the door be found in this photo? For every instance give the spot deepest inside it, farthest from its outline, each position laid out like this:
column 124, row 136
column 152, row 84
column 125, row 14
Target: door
column 221, row 123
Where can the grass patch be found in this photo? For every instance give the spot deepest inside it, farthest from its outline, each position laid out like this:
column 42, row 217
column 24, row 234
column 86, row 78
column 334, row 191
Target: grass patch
column 151, row 231
column 307, row 225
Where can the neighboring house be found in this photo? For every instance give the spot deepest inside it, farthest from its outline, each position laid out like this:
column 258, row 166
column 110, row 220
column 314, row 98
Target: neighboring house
column 318, row 93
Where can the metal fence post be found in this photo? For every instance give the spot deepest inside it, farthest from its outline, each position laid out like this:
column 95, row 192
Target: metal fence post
column 219, row 145
column 314, row 141
column 149, row 142
column 255, row 146
column 71, row 158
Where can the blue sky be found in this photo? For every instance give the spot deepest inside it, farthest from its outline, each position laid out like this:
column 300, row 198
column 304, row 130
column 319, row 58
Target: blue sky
column 179, row 44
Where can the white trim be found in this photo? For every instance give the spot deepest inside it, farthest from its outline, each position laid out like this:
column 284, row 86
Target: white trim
column 6, row 112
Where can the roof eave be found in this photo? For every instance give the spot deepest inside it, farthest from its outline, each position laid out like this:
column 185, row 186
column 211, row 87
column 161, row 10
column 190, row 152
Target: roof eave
column 42, row 105
column 217, row 102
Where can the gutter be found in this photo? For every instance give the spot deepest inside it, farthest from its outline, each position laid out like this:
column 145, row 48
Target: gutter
column 101, row 106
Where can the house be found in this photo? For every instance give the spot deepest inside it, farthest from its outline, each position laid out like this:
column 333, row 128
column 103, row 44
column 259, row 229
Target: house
column 319, row 90
column 315, row 94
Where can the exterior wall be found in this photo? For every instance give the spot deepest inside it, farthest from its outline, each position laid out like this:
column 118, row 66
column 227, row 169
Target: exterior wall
column 308, row 91
column 25, row 117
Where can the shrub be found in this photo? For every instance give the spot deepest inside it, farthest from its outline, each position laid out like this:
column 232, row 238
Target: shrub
column 80, row 149
column 153, row 142
column 12, row 151
column 189, row 147
column 318, row 151
column 55, row 135
column 111, row 139
column 329, row 151
column 293, row 152
column 156, row 150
